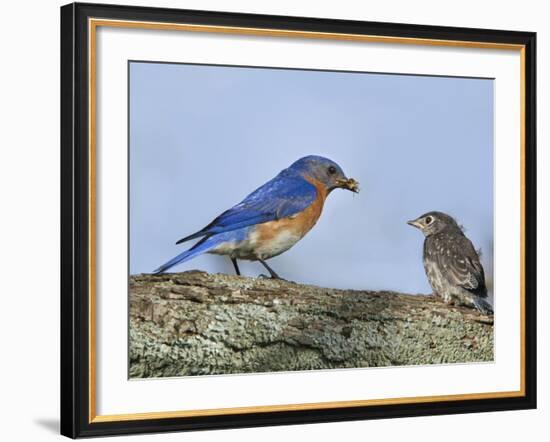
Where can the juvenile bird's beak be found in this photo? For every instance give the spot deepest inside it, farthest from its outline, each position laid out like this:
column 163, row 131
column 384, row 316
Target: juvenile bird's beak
column 349, row 184
column 415, row 223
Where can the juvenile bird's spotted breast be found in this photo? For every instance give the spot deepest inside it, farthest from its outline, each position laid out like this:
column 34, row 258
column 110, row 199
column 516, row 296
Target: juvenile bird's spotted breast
column 436, row 279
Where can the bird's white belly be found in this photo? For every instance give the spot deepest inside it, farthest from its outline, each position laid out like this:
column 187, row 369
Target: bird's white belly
column 254, row 247
column 279, row 243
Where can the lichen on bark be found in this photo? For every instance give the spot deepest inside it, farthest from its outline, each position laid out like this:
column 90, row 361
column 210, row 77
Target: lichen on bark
column 195, row 323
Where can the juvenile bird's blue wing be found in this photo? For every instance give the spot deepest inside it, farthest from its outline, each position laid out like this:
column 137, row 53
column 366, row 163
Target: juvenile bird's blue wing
column 285, row 195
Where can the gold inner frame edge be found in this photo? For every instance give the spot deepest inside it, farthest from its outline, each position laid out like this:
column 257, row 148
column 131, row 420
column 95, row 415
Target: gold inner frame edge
column 93, row 23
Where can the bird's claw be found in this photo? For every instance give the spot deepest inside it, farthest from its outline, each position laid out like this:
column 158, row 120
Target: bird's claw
column 277, row 277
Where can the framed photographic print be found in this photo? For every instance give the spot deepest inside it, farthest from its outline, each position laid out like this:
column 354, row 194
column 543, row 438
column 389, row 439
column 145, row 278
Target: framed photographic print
column 275, row 220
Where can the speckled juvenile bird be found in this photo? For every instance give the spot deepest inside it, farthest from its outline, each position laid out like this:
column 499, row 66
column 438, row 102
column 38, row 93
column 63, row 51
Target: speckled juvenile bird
column 451, row 263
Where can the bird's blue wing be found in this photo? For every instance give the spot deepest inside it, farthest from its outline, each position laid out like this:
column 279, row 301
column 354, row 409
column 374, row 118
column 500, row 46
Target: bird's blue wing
column 283, row 196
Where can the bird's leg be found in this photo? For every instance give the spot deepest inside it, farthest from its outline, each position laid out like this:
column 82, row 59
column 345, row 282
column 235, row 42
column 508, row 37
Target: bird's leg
column 237, row 271
column 270, row 270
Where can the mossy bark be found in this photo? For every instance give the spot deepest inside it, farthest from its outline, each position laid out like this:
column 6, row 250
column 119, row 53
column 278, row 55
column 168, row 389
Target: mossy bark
column 195, row 323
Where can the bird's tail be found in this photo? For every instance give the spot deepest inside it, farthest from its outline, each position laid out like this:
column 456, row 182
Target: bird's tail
column 201, row 247
column 482, row 305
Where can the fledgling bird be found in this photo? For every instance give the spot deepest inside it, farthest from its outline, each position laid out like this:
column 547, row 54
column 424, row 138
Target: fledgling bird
column 451, row 263
column 271, row 219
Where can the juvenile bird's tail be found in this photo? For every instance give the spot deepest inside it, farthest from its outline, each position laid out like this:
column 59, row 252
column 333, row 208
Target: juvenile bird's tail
column 201, row 247
column 482, row 306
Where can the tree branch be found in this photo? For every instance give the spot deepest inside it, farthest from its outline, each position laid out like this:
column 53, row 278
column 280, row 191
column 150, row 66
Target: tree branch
column 195, row 323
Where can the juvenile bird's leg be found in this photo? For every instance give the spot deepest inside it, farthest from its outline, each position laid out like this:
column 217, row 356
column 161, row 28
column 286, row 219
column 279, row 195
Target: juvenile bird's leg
column 270, row 270
column 237, row 271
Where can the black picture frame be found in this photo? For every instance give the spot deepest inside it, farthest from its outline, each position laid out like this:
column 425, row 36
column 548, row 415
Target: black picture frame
column 75, row 220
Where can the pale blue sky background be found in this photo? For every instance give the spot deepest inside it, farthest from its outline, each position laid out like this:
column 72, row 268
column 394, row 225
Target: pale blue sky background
column 203, row 137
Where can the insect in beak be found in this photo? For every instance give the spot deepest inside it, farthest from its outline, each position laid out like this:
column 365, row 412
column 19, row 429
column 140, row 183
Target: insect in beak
column 349, row 184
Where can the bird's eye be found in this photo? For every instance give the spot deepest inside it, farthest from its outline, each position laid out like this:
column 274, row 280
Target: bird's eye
column 332, row 170
column 429, row 220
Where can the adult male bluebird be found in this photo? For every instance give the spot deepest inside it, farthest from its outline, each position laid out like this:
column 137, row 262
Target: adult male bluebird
column 451, row 263
column 271, row 219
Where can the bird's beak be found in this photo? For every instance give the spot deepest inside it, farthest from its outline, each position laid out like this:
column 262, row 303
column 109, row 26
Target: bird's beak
column 349, row 184
column 415, row 223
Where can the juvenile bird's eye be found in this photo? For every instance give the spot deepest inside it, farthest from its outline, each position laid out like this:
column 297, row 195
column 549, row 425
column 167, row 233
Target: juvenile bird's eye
column 332, row 170
column 429, row 220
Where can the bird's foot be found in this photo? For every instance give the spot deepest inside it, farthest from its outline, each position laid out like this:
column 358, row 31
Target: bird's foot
column 444, row 298
column 270, row 270
column 277, row 277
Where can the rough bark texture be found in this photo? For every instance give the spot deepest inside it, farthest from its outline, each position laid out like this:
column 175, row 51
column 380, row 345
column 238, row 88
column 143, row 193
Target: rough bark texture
column 195, row 323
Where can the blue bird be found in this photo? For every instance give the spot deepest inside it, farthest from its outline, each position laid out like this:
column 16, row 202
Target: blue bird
column 271, row 219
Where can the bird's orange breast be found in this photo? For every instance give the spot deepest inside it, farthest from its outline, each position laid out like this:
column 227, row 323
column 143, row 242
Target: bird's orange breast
column 295, row 226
